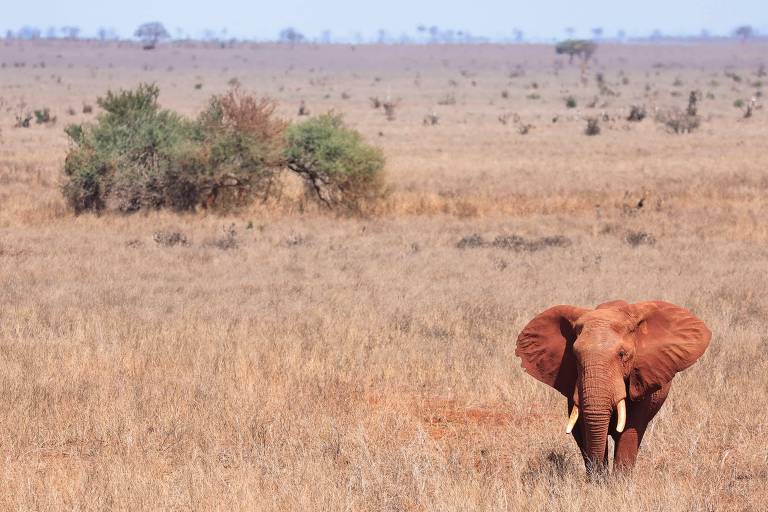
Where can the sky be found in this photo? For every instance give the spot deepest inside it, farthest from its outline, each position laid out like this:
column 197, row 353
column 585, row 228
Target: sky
column 258, row 19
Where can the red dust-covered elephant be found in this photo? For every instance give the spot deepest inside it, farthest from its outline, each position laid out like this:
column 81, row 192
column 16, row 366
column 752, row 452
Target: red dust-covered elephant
column 615, row 365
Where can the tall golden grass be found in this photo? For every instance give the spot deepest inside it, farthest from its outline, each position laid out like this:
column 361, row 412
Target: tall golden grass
column 368, row 363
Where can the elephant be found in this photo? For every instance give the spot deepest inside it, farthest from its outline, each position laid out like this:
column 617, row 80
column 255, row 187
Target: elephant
column 614, row 364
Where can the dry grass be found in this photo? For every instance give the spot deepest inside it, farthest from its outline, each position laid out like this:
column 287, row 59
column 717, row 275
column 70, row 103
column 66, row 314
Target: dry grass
column 368, row 364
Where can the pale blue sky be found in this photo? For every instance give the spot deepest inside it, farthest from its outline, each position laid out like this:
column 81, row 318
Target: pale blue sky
column 494, row 18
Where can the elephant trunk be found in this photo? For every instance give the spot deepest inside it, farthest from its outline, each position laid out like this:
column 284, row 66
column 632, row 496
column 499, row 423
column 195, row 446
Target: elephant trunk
column 596, row 410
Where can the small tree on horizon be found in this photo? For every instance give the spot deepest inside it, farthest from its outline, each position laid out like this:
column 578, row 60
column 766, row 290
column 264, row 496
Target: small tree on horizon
column 744, row 32
column 576, row 47
column 291, row 35
column 151, row 33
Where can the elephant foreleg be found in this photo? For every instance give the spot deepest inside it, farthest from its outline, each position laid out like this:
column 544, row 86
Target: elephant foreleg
column 579, row 438
column 639, row 415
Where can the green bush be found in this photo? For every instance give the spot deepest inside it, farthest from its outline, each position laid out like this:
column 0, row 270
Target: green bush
column 570, row 102
column 139, row 156
column 127, row 160
column 241, row 148
column 338, row 167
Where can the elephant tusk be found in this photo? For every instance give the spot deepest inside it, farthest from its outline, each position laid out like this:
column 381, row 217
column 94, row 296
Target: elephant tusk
column 621, row 409
column 572, row 419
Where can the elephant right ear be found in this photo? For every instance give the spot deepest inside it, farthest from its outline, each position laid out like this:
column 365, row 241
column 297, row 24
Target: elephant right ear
column 545, row 347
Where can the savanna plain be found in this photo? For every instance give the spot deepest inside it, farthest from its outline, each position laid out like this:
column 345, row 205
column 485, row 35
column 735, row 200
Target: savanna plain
column 283, row 357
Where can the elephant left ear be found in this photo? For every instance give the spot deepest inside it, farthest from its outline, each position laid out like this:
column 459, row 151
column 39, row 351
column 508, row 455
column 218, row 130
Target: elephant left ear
column 669, row 340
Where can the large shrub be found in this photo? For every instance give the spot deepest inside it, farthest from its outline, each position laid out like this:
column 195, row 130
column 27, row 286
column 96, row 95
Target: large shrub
column 241, row 149
column 139, row 156
column 130, row 158
column 338, row 167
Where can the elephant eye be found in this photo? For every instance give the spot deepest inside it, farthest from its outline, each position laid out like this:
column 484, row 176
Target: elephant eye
column 622, row 354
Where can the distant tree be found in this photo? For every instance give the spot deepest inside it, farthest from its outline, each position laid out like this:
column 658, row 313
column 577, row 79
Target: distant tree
column 597, row 32
column 151, row 33
column 570, row 31
column 291, row 35
column 576, row 47
column 519, row 35
column 744, row 32
column 434, row 33
column 51, row 33
column 28, row 32
column 382, row 37
column 70, row 32
column 325, row 37
column 621, row 34
column 209, row 35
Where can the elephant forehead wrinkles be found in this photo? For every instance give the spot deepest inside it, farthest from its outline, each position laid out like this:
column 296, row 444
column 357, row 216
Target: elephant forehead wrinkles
column 601, row 319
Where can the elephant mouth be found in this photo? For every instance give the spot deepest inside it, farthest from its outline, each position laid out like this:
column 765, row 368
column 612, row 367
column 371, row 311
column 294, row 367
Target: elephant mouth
column 621, row 413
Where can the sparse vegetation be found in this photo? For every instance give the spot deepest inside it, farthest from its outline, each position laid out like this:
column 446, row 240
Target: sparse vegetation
column 570, row 102
column 431, row 119
column 514, row 243
column 390, row 107
column 636, row 113
column 448, row 99
column 593, row 126
column 43, row 116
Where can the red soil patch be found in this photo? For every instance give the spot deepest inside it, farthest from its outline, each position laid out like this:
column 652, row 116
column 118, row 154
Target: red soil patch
column 447, row 417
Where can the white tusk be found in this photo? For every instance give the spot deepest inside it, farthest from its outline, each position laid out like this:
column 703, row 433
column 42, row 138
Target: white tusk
column 621, row 408
column 572, row 419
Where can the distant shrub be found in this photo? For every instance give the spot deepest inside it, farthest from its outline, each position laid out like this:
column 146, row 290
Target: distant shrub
column 570, row 102
column 338, row 167
column 448, row 99
column 678, row 121
column 682, row 121
column 43, row 116
column 170, row 239
column 431, row 119
column 637, row 238
column 593, row 126
column 23, row 119
column 389, row 109
column 636, row 113
column 739, row 103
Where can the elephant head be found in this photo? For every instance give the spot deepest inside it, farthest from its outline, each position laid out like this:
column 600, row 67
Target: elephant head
column 598, row 358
